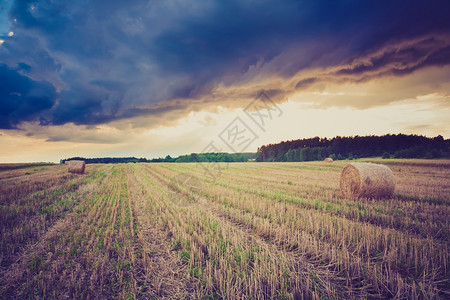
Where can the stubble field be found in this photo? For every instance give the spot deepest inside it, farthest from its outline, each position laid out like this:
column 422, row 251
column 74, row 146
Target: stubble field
column 256, row 230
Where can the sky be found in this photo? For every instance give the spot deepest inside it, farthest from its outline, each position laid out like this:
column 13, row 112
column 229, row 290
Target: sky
column 152, row 78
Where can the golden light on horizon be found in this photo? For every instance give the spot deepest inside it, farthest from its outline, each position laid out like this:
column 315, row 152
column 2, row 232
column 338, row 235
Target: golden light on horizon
column 194, row 132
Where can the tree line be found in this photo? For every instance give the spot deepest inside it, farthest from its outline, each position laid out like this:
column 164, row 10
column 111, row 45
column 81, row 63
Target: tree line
column 193, row 157
column 316, row 148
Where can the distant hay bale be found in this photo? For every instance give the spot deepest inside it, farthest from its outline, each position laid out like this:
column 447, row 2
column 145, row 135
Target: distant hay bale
column 77, row 166
column 328, row 159
column 367, row 180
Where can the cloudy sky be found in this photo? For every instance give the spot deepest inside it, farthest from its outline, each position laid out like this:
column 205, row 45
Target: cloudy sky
column 151, row 78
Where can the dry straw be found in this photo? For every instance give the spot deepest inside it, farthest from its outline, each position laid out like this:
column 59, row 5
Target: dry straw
column 77, row 166
column 367, row 180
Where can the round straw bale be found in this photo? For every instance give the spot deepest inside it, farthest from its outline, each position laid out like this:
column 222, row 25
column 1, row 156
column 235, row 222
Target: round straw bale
column 77, row 166
column 328, row 159
column 367, row 180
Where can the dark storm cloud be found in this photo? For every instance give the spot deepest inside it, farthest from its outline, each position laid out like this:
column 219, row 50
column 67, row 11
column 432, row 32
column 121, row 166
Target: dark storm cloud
column 22, row 99
column 403, row 58
column 109, row 60
column 305, row 83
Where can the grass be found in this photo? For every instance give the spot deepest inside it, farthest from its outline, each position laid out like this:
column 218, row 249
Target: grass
column 8, row 167
column 260, row 230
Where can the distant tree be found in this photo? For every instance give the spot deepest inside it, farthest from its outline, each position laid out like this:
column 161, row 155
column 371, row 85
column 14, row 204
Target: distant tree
column 407, row 146
column 168, row 158
column 386, row 155
column 290, row 155
column 307, row 154
column 297, row 155
column 315, row 153
column 323, row 153
column 435, row 153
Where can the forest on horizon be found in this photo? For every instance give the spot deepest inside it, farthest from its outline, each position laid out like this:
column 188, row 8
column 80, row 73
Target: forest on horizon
column 313, row 149
column 386, row 146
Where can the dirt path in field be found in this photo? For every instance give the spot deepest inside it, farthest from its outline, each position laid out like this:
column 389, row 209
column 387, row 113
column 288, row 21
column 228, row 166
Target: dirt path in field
column 164, row 274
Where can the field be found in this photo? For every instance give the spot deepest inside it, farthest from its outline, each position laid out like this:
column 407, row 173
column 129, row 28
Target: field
column 258, row 230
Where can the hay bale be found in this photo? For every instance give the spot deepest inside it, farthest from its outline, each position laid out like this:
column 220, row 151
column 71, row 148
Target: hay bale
column 367, row 180
column 328, row 159
column 77, row 166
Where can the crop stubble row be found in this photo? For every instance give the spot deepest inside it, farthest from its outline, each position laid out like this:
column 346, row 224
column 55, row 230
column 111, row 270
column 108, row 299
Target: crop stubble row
column 262, row 230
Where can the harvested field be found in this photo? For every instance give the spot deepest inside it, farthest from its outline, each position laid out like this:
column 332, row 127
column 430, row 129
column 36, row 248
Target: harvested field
column 266, row 230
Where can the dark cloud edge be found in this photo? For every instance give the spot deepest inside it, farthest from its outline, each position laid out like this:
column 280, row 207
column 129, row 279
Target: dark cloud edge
column 393, row 60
